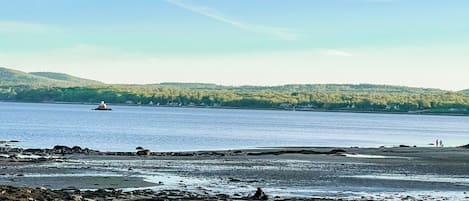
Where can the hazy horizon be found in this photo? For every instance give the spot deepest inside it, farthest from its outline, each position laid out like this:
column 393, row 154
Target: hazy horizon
column 421, row 43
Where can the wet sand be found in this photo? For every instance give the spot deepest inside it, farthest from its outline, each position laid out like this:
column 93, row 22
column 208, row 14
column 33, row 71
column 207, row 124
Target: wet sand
column 398, row 173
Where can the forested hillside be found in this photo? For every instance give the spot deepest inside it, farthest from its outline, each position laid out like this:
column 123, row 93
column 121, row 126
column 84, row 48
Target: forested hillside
column 356, row 88
column 10, row 77
column 71, row 80
column 56, row 87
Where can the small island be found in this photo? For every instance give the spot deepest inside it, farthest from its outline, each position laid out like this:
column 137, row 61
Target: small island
column 103, row 106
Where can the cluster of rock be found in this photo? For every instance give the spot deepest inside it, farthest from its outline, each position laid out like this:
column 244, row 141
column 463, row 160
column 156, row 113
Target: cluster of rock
column 60, row 150
column 146, row 152
column 140, row 151
column 20, row 194
column 40, row 155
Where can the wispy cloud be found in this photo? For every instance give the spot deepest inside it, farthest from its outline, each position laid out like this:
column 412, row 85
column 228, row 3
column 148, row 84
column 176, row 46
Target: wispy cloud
column 18, row 26
column 336, row 53
column 279, row 32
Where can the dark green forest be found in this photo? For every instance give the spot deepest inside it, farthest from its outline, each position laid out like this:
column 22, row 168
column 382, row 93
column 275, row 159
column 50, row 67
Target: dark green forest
column 441, row 102
column 53, row 87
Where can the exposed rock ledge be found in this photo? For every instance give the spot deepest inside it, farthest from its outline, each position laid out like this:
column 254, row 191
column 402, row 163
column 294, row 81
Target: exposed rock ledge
column 20, row 194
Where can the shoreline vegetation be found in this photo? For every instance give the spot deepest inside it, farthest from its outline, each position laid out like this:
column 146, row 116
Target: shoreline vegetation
column 364, row 102
column 46, row 87
column 71, row 164
column 244, row 108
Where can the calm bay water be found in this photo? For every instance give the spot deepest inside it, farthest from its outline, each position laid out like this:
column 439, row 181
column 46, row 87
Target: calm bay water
column 175, row 129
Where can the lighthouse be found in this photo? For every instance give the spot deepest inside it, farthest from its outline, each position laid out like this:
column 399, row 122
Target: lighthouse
column 103, row 106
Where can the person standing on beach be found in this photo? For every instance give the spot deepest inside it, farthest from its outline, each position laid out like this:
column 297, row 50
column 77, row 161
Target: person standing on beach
column 441, row 143
column 436, row 143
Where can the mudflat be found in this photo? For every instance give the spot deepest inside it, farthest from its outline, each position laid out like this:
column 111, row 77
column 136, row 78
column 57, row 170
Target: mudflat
column 283, row 173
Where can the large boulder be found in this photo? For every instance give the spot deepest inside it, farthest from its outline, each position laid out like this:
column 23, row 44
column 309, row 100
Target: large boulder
column 77, row 150
column 60, row 149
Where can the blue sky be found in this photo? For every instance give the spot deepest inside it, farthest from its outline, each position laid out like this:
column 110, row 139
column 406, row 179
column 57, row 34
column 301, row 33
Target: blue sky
column 421, row 43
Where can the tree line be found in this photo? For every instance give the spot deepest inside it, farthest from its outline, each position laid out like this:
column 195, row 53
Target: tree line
column 434, row 102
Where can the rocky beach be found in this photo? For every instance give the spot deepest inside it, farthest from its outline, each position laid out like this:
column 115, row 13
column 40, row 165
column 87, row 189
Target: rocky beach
column 281, row 173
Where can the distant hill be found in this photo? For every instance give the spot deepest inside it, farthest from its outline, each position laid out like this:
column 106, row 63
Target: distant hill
column 303, row 88
column 183, row 85
column 67, row 78
column 10, row 77
column 352, row 88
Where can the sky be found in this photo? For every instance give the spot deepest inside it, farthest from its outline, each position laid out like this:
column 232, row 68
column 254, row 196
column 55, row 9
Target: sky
column 421, row 43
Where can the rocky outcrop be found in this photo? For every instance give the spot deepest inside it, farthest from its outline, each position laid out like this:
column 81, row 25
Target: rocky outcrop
column 21, row 194
column 60, row 149
column 56, row 150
